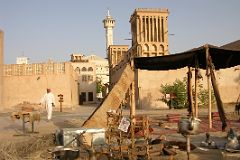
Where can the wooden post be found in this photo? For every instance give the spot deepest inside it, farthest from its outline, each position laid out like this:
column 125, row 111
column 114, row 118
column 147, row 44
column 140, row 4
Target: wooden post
column 190, row 96
column 188, row 146
column 209, row 89
column 217, row 95
column 60, row 106
column 32, row 126
column 60, row 101
column 133, row 103
column 133, row 112
column 133, row 120
column 23, row 123
column 196, row 92
column 133, row 107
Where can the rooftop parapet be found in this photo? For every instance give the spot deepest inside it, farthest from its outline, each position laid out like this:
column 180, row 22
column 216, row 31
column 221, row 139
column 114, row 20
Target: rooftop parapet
column 151, row 9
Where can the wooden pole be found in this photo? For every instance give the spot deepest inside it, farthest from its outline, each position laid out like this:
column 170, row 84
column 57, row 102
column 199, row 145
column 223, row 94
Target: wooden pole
column 133, row 112
column 60, row 106
column 188, row 146
column 133, row 107
column 209, row 89
column 196, row 92
column 217, row 95
column 190, row 96
column 133, row 103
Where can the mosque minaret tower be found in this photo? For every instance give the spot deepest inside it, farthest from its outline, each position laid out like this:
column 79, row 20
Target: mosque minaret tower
column 109, row 23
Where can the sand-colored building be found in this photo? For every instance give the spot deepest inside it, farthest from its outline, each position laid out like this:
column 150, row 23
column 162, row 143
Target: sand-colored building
column 22, row 60
column 149, row 29
column 28, row 82
column 102, row 68
column 75, row 80
column 116, row 55
column 89, row 69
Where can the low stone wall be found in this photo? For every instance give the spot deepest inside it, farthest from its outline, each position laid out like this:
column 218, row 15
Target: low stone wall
column 149, row 84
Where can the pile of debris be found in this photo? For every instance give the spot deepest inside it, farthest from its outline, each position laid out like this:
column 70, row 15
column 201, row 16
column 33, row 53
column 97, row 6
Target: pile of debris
column 27, row 148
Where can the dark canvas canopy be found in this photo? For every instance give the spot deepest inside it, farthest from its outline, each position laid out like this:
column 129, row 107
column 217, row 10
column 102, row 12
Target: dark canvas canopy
column 221, row 58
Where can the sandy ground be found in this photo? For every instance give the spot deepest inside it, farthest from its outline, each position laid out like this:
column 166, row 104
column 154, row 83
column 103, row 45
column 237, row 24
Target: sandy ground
column 11, row 131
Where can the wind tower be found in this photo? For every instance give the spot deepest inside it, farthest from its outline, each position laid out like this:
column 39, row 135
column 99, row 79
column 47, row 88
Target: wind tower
column 109, row 24
column 149, row 27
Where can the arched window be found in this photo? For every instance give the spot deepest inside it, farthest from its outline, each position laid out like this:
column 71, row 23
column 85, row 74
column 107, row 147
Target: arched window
column 161, row 49
column 77, row 70
column 145, row 47
column 90, row 69
column 84, row 69
column 154, row 48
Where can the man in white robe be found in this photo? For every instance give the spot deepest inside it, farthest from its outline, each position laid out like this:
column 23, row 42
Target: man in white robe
column 48, row 100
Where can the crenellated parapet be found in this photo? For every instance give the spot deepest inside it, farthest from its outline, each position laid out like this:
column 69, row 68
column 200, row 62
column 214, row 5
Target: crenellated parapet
column 34, row 69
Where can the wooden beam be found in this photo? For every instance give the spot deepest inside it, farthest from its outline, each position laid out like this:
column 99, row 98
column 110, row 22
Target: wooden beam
column 133, row 104
column 190, row 95
column 196, row 92
column 209, row 89
column 217, row 95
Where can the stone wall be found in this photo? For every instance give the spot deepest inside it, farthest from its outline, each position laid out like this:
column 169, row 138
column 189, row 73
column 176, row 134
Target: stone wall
column 149, row 83
column 19, row 88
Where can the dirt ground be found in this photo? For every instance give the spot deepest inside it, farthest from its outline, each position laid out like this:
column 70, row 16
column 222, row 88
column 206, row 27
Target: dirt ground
column 15, row 145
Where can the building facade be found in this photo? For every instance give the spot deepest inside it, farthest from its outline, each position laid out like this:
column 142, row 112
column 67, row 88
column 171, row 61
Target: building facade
column 116, row 54
column 149, row 29
column 90, row 70
column 28, row 82
column 22, row 60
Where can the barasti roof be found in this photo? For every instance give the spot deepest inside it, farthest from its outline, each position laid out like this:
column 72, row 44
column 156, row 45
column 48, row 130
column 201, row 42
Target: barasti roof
column 232, row 46
column 221, row 58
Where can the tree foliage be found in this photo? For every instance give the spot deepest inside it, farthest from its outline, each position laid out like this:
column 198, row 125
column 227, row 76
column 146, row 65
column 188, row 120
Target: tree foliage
column 99, row 86
column 179, row 88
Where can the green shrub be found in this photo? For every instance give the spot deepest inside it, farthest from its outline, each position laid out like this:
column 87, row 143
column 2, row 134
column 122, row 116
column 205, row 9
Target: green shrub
column 179, row 88
column 203, row 96
column 99, row 86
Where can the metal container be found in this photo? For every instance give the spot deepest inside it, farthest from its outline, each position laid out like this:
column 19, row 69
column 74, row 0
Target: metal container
column 93, row 136
column 188, row 126
column 60, row 153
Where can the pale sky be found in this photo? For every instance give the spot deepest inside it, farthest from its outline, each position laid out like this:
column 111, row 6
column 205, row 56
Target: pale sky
column 54, row 29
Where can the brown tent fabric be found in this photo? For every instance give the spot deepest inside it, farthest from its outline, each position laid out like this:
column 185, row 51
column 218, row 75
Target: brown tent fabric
column 221, row 58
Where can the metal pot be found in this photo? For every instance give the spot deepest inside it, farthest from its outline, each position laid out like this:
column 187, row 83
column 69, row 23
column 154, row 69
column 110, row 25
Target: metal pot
column 61, row 153
column 188, row 126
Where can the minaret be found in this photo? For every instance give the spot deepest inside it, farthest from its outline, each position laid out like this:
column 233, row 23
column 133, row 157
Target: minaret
column 109, row 23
